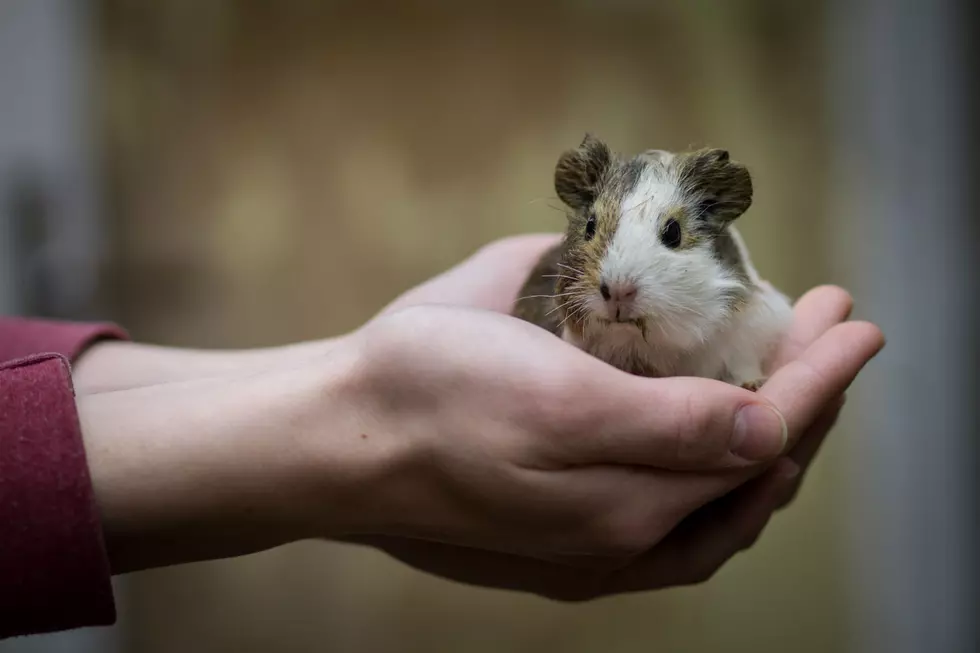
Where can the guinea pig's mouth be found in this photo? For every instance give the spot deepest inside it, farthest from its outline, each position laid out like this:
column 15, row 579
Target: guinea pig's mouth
column 637, row 322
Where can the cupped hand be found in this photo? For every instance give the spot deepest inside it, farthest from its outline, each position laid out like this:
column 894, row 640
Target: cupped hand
column 491, row 278
column 510, row 450
column 815, row 365
column 495, row 433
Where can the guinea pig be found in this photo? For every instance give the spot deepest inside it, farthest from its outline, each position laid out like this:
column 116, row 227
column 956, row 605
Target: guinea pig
column 651, row 276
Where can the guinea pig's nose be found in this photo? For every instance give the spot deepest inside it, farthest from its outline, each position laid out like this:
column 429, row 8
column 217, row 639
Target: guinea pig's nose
column 618, row 291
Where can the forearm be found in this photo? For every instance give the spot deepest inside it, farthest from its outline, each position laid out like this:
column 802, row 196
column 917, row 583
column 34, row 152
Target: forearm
column 215, row 467
column 118, row 365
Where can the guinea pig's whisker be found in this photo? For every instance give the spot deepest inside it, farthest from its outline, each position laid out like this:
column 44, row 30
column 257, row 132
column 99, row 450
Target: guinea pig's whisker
column 570, row 301
column 562, row 323
column 571, row 269
column 564, row 294
column 639, row 204
column 662, row 330
column 578, row 312
column 538, row 200
column 560, row 306
column 680, row 307
column 701, row 214
column 566, row 303
column 568, row 314
column 547, row 198
column 694, row 311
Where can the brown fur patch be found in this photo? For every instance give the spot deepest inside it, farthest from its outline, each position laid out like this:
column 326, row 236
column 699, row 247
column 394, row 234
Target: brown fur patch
column 728, row 253
column 581, row 258
column 591, row 181
column 753, row 386
column 537, row 302
column 580, row 172
column 719, row 188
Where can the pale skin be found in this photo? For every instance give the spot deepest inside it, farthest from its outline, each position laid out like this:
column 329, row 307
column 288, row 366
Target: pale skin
column 462, row 441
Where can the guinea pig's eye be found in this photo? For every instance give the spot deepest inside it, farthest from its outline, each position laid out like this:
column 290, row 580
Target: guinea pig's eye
column 590, row 227
column 671, row 235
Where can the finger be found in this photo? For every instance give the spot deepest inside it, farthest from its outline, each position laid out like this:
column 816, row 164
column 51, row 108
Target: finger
column 803, row 388
column 676, row 423
column 495, row 275
column 753, row 513
column 708, row 539
column 489, row 279
column 814, row 313
column 809, row 445
column 526, row 247
column 686, row 424
column 802, row 391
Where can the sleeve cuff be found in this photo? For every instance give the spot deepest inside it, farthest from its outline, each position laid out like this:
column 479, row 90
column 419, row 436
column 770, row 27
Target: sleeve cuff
column 20, row 337
column 54, row 571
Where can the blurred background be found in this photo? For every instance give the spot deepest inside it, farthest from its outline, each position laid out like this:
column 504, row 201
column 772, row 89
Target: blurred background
column 243, row 173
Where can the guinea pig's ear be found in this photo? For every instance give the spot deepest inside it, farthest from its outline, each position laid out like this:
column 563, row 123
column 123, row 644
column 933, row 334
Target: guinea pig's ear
column 580, row 172
column 720, row 187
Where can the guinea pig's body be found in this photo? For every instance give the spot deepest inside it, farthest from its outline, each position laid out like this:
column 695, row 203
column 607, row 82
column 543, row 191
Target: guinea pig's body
column 651, row 276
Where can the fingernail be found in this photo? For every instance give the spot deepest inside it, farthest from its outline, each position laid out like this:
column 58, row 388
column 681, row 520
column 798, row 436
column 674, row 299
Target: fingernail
column 760, row 433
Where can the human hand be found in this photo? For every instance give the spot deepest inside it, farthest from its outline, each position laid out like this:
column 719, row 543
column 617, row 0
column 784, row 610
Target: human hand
column 456, row 425
column 492, row 277
column 504, row 411
column 817, row 362
column 252, row 456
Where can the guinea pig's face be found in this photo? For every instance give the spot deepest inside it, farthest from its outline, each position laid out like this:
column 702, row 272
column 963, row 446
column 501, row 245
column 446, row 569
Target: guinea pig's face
column 646, row 245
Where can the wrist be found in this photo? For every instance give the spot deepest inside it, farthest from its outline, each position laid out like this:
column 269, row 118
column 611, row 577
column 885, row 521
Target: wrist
column 210, row 468
column 350, row 465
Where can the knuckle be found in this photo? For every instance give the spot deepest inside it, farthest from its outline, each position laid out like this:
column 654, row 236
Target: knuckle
column 559, row 406
column 559, row 403
column 555, row 420
column 815, row 380
column 696, row 434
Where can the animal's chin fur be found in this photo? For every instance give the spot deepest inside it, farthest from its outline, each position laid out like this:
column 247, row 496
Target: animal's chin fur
column 654, row 344
column 733, row 345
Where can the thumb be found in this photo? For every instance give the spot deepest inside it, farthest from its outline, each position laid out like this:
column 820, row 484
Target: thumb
column 677, row 423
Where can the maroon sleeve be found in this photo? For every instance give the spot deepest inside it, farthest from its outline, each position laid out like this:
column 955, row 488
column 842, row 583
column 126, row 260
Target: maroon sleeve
column 54, row 572
column 21, row 337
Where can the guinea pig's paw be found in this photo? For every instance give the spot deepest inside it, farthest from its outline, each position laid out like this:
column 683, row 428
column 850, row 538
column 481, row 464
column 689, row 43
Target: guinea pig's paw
column 753, row 385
